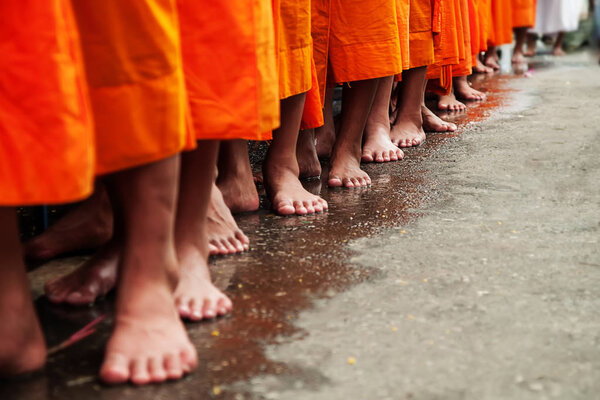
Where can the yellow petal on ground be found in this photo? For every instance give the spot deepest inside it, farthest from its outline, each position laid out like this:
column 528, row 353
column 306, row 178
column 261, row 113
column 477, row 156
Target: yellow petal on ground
column 216, row 390
column 410, row 316
column 394, row 329
column 402, row 232
column 240, row 286
column 215, row 333
column 351, row 360
column 499, row 222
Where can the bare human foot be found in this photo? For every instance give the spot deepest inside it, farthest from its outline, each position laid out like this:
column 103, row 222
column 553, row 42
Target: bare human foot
column 558, row 51
column 94, row 279
column 377, row 145
column 490, row 59
column 306, row 154
column 449, row 103
column 518, row 57
column 480, row 68
column 433, row 123
column 235, row 179
column 280, row 168
column 224, row 235
column 88, row 226
column 325, row 135
column 520, row 39
column 464, row 91
column 345, row 171
column 22, row 348
column 407, row 131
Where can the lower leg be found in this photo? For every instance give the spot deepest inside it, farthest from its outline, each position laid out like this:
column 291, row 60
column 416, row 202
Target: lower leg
column 149, row 342
column 450, row 103
column 377, row 144
column 433, row 123
column 408, row 130
column 195, row 296
column 22, row 345
column 325, row 134
column 280, row 168
column 306, row 153
column 531, row 44
column 557, row 49
column 345, row 159
column 464, row 91
column 519, row 52
column 235, row 177
column 490, row 58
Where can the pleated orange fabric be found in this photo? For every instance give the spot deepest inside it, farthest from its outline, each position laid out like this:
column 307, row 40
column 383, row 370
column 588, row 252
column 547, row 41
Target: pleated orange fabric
column 403, row 14
column 501, row 32
column 355, row 40
column 421, row 51
column 46, row 140
column 297, row 71
column 477, row 29
column 447, row 45
column 523, row 13
column 228, row 51
column 464, row 66
column 135, row 79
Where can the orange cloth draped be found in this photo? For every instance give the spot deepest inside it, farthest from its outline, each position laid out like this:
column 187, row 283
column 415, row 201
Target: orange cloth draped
column 463, row 68
column 420, row 22
column 501, row 32
column 477, row 25
column 354, row 40
column 523, row 13
column 403, row 12
column 135, row 79
column 297, row 71
column 46, row 141
column 228, row 52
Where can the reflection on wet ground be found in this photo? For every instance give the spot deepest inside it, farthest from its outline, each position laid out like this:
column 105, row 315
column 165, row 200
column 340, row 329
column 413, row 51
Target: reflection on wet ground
column 292, row 262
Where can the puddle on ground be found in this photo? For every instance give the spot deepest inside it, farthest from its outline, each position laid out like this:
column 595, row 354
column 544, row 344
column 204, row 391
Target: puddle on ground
column 292, row 262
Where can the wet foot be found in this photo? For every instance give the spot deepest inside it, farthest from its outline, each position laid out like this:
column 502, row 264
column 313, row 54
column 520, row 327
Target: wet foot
column 149, row 343
column 22, row 348
column 94, row 279
column 518, row 57
column 464, row 91
column 345, row 171
column 286, row 193
column 378, row 146
column 88, row 226
column 449, row 103
column 196, row 297
column 558, row 51
column 433, row 123
column 224, row 235
column 408, row 131
column 481, row 68
column 306, row 154
column 239, row 191
column 490, row 59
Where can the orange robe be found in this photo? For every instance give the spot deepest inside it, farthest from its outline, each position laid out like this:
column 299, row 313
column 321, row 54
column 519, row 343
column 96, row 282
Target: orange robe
column 228, row 51
column 46, row 141
column 421, row 51
column 501, row 28
column 295, row 61
column 464, row 67
column 354, row 40
column 477, row 25
column 523, row 13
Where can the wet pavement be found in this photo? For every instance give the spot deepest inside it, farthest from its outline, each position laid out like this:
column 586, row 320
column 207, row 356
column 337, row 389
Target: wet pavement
column 471, row 269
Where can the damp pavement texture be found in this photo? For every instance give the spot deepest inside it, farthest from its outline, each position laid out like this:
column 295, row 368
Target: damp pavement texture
column 470, row 270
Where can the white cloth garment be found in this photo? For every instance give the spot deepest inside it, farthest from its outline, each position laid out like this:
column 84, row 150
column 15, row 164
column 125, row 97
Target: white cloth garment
column 554, row 16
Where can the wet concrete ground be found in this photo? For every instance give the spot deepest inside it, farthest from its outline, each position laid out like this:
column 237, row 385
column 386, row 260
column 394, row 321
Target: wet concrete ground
column 470, row 270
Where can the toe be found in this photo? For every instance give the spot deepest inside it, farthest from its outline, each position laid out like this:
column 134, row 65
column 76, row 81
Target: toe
column 242, row 237
column 324, row 204
column 183, row 307
column 236, row 244
column 208, row 309
column 157, row 370
column 229, row 248
column 223, row 306
column 195, row 310
column 335, row 182
column 299, row 208
column 114, row 369
column 348, row 182
column 188, row 358
column 386, row 157
column 140, row 374
column 172, row 365
column 308, row 205
column 212, row 249
column 317, row 206
column 367, row 157
column 399, row 154
column 285, row 208
column 355, row 182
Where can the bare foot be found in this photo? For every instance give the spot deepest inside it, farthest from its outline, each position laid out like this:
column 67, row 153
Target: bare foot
column 196, row 297
column 449, row 103
column 378, row 146
column 490, row 59
column 558, row 51
column 22, row 348
column 325, row 136
column 95, row 278
column 433, row 123
column 88, row 226
column 464, row 91
column 518, row 57
column 224, row 235
column 345, row 171
column 408, row 131
column 480, row 68
column 235, row 179
column 149, row 342
column 286, row 193
column 306, row 154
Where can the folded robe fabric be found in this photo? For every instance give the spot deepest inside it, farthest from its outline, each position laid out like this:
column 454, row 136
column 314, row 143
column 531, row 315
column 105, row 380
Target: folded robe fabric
column 46, row 140
column 464, row 67
column 523, row 13
column 502, row 24
column 295, row 61
column 228, row 51
column 354, row 40
column 421, row 51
